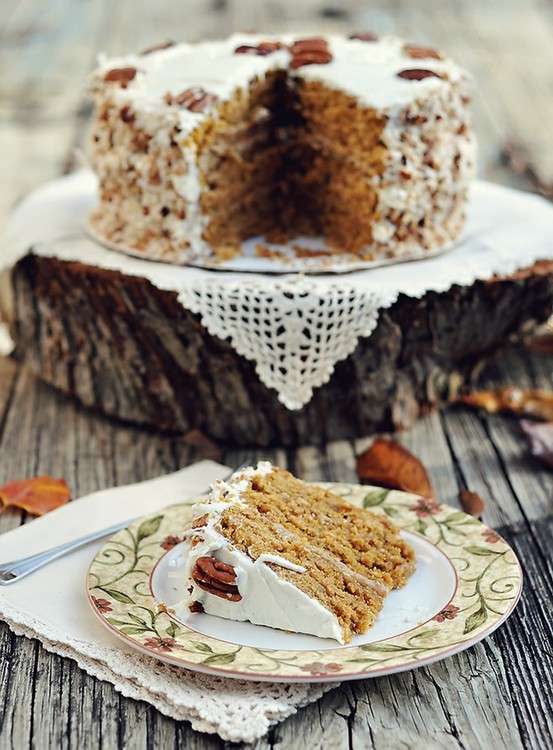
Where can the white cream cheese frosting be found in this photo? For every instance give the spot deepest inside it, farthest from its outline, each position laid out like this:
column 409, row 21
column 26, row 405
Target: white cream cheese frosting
column 367, row 71
column 266, row 599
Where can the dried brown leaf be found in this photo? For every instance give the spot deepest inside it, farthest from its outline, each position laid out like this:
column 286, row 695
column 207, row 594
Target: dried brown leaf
column 524, row 402
column 37, row 496
column 388, row 464
column 206, row 447
column 471, row 503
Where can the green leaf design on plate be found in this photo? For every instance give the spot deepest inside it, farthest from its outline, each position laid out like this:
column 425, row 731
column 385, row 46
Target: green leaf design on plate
column 366, row 660
column 476, row 619
column 219, row 659
column 199, row 646
column 456, row 517
column 386, row 648
column 148, row 527
column 375, row 497
column 424, row 635
column 171, row 630
column 130, row 630
column 475, row 549
column 421, row 526
column 138, row 620
column 119, row 596
column 114, row 621
column 391, row 511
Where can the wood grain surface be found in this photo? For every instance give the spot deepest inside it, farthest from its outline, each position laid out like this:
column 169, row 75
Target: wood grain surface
column 495, row 695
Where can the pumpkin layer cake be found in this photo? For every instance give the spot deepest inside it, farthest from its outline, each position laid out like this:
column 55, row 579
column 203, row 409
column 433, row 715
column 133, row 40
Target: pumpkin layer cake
column 364, row 142
column 271, row 549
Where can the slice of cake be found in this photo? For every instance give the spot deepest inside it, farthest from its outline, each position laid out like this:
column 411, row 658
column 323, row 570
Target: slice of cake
column 271, row 549
column 364, row 142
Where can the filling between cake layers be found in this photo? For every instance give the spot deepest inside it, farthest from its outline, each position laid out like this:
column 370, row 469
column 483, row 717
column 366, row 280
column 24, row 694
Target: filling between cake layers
column 273, row 550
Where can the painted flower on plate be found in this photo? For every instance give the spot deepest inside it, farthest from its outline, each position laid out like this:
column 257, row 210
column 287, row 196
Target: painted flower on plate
column 170, row 541
column 165, row 645
column 319, row 669
column 102, row 605
column 490, row 536
column 448, row 613
column 425, row 507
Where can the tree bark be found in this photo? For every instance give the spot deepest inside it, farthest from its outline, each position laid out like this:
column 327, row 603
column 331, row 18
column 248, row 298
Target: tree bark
column 123, row 347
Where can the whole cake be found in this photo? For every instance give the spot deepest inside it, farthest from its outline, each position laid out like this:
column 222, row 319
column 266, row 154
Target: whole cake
column 362, row 141
column 271, row 549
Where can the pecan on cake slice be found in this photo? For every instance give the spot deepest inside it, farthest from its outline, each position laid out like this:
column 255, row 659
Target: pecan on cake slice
column 263, row 48
column 216, row 578
column 418, row 74
column 418, row 52
column 194, row 99
column 311, row 51
column 122, row 76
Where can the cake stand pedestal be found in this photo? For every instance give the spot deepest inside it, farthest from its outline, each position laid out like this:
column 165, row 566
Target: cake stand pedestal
column 123, row 347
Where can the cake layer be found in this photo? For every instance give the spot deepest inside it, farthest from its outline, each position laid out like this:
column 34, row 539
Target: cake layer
column 274, row 550
column 198, row 147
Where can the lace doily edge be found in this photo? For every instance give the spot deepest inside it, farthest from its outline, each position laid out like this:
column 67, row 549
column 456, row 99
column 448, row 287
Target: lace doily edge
column 250, row 731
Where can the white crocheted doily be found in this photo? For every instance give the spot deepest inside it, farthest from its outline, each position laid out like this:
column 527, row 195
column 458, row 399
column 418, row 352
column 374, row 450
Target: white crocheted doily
column 295, row 328
column 236, row 710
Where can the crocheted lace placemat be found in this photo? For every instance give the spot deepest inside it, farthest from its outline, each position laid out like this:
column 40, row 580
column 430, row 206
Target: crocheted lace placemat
column 52, row 607
column 294, row 327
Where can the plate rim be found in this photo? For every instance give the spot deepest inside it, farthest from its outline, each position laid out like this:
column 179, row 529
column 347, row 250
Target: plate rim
column 230, row 671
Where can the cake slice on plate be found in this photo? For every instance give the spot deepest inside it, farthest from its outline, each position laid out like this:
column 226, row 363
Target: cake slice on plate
column 271, row 549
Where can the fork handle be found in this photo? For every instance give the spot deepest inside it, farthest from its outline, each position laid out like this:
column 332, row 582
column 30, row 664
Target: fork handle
column 18, row 569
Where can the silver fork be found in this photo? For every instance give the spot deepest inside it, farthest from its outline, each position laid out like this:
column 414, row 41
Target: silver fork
column 15, row 570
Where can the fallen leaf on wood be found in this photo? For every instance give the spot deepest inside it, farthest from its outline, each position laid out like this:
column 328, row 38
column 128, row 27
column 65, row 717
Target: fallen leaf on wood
column 530, row 403
column 540, row 438
column 471, row 503
column 389, row 464
column 37, row 496
column 206, row 446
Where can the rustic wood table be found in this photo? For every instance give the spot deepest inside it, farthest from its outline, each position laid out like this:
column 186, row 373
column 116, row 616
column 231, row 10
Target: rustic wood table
column 497, row 694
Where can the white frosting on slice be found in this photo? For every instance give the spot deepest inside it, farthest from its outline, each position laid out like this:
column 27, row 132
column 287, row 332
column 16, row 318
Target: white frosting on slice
column 282, row 562
column 266, row 599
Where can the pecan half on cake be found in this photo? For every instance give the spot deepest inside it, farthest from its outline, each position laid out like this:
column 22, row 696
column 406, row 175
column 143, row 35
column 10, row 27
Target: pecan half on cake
column 271, row 549
column 364, row 141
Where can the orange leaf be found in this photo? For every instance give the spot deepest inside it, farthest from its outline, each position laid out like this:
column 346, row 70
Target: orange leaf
column 389, row 464
column 531, row 403
column 37, row 496
column 472, row 503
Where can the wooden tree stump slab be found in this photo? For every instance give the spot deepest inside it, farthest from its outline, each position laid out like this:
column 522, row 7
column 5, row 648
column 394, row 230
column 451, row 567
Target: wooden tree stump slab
column 123, row 347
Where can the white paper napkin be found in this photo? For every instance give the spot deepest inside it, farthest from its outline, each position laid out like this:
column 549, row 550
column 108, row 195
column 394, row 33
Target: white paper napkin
column 51, row 605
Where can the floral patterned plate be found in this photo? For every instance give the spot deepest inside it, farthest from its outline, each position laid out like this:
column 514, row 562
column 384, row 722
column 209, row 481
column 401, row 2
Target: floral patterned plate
column 467, row 582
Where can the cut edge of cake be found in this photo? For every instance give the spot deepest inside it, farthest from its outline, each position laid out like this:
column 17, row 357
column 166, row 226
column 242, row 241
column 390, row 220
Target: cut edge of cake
column 270, row 549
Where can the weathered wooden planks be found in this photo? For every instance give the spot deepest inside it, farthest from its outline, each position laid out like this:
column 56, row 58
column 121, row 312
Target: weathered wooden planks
column 128, row 349
column 496, row 695
column 63, row 699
